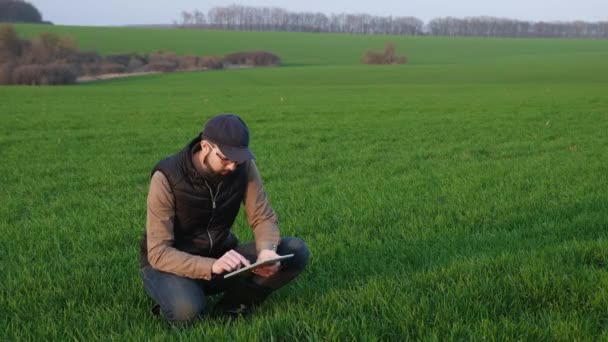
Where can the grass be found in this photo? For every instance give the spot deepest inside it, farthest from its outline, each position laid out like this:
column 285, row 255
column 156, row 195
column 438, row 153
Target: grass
column 305, row 49
column 441, row 200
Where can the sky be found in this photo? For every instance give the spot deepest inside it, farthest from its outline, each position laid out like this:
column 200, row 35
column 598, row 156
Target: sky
column 133, row 12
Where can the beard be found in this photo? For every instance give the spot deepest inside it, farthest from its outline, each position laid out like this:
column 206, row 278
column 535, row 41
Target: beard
column 209, row 173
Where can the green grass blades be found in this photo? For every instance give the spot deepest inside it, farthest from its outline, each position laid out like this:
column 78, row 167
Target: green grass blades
column 305, row 49
column 440, row 200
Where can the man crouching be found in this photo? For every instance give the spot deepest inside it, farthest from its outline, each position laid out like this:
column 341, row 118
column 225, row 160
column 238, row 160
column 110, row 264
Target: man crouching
column 194, row 198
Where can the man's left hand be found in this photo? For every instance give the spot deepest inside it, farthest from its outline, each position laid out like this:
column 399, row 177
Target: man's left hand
column 268, row 270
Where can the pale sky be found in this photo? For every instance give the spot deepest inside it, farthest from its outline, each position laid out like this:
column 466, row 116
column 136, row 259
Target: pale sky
column 126, row 12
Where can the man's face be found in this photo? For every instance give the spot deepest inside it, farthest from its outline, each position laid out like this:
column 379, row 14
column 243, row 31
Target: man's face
column 217, row 165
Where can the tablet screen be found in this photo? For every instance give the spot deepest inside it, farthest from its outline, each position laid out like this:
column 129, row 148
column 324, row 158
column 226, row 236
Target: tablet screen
column 251, row 267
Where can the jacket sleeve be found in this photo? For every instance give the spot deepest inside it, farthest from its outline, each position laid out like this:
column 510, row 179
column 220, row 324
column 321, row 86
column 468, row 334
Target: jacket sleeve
column 162, row 255
column 260, row 215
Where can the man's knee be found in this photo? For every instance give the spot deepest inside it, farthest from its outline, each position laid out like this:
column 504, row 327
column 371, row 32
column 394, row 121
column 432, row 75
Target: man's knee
column 298, row 248
column 183, row 310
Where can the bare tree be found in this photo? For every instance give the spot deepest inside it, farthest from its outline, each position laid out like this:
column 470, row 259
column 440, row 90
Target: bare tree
column 238, row 17
column 186, row 18
column 501, row 27
column 198, row 18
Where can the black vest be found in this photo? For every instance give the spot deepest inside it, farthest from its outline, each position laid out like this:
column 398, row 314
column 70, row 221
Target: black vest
column 201, row 227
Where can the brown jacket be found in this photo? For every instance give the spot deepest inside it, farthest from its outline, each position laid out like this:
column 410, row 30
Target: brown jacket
column 159, row 226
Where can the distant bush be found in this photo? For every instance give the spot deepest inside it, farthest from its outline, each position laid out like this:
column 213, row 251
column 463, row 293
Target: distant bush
column 373, row 57
column 119, row 58
column 10, row 45
column 388, row 56
column 38, row 74
column 48, row 59
column 188, row 62
column 160, row 67
column 252, row 58
column 49, row 48
column 6, row 73
column 89, row 69
column 51, row 59
column 163, row 57
column 84, row 57
column 210, row 63
column 135, row 64
column 112, row 68
column 85, row 62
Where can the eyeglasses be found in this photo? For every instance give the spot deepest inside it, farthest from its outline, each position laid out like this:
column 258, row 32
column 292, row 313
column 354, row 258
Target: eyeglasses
column 225, row 161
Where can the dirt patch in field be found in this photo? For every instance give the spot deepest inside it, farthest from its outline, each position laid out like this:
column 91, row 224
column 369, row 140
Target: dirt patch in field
column 84, row 79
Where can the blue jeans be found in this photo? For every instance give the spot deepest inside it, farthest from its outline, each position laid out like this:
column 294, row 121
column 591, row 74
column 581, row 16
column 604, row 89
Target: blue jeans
column 182, row 299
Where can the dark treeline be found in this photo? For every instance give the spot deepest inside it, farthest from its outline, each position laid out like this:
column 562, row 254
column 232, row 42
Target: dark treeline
column 499, row 27
column 246, row 18
column 236, row 17
column 19, row 11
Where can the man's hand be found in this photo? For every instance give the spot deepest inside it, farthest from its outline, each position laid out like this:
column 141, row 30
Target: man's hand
column 268, row 270
column 229, row 262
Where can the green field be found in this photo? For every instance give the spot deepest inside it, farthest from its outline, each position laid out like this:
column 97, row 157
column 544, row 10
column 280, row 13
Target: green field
column 461, row 196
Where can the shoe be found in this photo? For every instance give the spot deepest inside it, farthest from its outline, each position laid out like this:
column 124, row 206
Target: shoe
column 237, row 311
column 155, row 310
column 242, row 299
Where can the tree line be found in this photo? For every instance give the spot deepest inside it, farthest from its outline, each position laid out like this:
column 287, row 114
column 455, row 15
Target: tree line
column 500, row 27
column 248, row 18
column 50, row 59
column 19, row 11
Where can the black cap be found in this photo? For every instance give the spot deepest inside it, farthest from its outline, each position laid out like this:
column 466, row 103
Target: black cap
column 231, row 135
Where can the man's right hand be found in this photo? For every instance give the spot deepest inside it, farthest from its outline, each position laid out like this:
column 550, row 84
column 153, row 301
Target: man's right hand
column 229, row 262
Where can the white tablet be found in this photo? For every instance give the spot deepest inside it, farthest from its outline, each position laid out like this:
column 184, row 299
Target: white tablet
column 251, row 267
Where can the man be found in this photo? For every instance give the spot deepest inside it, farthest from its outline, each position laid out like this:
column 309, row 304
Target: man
column 194, row 198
